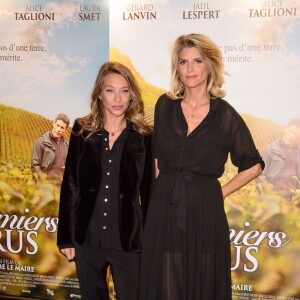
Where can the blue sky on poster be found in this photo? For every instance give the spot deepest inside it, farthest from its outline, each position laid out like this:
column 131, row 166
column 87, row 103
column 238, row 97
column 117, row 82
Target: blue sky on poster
column 266, row 87
column 60, row 79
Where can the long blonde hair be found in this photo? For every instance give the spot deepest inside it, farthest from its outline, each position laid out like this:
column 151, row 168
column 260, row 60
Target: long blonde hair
column 135, row 111
column 213, row 57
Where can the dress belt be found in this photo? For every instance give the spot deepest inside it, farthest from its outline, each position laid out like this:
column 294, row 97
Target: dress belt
column 177, row 192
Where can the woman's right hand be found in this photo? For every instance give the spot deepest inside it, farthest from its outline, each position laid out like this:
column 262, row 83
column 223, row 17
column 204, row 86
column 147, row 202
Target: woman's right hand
column 69, row 253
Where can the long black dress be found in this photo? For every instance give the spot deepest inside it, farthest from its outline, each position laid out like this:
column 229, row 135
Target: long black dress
column 186, row 250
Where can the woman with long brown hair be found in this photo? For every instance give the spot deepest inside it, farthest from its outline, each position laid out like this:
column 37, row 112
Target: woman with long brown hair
column 106, row 186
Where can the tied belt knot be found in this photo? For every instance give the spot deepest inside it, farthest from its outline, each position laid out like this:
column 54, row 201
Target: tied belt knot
column 177, row 191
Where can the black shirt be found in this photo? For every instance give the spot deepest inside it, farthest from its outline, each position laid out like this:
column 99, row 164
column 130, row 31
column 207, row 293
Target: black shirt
column 103, row 230
column 205, row 150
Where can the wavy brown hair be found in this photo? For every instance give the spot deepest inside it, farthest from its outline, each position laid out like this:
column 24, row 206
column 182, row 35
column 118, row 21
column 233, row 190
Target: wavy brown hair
column 213, row 57
column 135, row 111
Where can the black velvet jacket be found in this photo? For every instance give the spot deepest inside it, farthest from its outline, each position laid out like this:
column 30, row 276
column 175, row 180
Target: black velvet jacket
column 82, row 181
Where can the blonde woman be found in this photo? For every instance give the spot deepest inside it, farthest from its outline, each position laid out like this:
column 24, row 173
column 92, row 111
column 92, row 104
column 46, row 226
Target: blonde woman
column 108, row 171
column 186, row 246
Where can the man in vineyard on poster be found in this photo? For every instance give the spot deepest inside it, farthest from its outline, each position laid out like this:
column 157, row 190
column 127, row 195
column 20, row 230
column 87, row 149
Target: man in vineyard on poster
column 50, row 151
column 282, row 162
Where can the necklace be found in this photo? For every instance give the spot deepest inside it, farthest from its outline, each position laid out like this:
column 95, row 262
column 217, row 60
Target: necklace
column 114, row 132
column 193, row 110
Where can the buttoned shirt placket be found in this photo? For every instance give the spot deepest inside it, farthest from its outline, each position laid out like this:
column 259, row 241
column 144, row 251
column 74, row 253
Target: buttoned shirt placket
column 107, row 182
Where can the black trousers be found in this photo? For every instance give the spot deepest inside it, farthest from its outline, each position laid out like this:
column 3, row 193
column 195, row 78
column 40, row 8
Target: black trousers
column 92, row 264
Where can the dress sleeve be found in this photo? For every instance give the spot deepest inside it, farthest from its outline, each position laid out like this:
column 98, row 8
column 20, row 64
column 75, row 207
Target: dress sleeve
column 243, row 152
column 158, row 113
